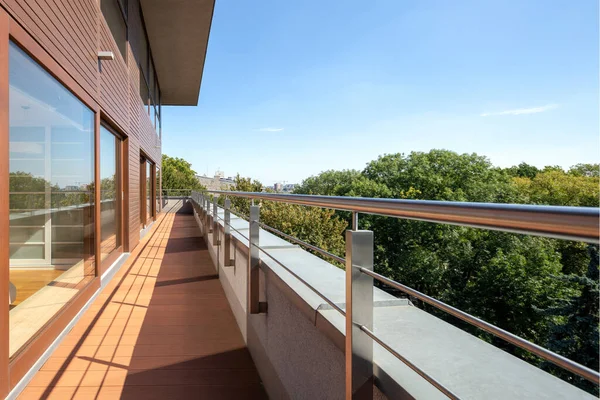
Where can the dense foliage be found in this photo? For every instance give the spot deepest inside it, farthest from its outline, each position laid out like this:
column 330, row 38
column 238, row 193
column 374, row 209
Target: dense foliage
column 541, row 289
column 319, row 227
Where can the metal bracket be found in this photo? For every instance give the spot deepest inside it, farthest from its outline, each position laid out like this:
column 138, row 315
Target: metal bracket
column 359, row 312
column 254, row 306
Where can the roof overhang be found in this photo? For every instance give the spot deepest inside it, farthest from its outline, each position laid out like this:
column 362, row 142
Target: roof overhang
column 178, row 34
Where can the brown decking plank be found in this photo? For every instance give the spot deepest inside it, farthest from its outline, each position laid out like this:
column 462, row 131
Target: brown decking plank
column 162, row 329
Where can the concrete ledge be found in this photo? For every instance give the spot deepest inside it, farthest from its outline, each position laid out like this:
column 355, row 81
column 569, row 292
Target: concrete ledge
column 468, row 366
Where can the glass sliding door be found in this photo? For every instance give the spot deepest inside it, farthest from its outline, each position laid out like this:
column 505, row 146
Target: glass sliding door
column 110, row 192
column 51, row 180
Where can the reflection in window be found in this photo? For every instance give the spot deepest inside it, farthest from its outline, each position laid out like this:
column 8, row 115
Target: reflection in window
column 144, row 94
column 109, row 192
column 115, row 18
column 51, row 197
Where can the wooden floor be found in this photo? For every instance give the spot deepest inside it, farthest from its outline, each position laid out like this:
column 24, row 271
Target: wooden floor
column 30, row 281
column 162, row 329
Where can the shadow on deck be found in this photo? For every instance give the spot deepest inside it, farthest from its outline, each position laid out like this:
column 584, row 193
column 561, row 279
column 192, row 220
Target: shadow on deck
column 161, row 329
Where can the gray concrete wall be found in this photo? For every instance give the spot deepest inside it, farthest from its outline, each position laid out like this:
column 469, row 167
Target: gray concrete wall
column 295, row 360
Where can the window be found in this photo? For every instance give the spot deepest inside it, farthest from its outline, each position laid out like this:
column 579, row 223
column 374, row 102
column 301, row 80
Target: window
column 114, row 14
column 110, row 196
column 51, row 179
column 144, row 93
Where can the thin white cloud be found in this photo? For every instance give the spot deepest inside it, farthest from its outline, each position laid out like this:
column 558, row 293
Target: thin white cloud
column 270, row 129
column 522, row 111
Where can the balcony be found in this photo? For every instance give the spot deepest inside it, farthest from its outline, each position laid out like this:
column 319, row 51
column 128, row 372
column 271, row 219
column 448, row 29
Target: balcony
column 213, row 306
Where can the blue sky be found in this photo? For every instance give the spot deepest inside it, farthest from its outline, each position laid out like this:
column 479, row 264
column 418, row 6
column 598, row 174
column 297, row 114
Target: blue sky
column 293, row 88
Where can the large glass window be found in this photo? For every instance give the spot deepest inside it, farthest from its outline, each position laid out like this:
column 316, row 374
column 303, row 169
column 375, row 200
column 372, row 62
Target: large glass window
column 144, row 93
column 114, row 14
column 110, row 198
column 51, row 144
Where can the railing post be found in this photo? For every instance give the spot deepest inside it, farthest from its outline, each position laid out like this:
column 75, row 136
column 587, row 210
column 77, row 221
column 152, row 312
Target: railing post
column 227, row 261
column 202, row 207
column 215, row 223
column 201, row 210
column 359, row 312
column 207, row 216
column 254, row 304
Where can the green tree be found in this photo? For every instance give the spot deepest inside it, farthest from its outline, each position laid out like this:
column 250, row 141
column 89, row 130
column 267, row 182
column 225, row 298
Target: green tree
column 503, row 278
column 523, row 170
column 557, row 188
column 441, row 175
column 316, row 226
column 590, row 170
column 178, row 174
column 575, row 333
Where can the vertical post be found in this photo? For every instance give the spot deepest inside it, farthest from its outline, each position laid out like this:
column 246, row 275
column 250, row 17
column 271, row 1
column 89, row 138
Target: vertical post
column 354, row 220
column 227, row 235
column 201, row 205
column 359, row 311
column 215, row 223
column 254, row 306
column 207, row 216
column 201, row 210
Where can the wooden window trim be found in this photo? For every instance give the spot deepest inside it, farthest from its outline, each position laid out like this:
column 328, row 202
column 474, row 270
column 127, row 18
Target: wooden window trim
column 122, row 192
column 4, row 203
column 12, row 371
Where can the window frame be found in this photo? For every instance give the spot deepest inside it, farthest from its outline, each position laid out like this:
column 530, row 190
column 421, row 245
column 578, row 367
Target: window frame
column 122, row 5
column 121, row 195
column 14, row 369
column 154, row 90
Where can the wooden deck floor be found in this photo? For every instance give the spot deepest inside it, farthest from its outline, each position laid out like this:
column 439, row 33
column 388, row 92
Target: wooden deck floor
column 162, row 329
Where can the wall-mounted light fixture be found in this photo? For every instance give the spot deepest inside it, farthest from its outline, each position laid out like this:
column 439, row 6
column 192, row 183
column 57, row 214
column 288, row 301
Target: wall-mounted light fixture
column 106, row 55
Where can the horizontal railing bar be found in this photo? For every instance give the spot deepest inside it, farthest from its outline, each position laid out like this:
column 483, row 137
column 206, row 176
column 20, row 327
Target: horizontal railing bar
column 571, row 223
column 554, row 213
column 240, row 233
column 539, row 351
column 303, row 243
column 295, row 240
column 311, row 287
column 412, row 366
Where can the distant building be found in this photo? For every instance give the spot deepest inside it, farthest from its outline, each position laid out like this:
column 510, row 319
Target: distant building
column 278, row 187
column 218, row 182
column 289, row 187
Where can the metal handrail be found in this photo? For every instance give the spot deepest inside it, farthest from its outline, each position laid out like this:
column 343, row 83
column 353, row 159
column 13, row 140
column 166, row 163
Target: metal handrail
column 571, row 223
column 292, row 239
column 409, row 363
column 303, row 243
column 337, row 308
column 539, row 351
column 295, row 275
column 502, row 219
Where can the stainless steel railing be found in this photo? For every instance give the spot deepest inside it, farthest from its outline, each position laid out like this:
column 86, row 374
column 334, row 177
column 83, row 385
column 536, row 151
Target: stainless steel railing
column 573, row 223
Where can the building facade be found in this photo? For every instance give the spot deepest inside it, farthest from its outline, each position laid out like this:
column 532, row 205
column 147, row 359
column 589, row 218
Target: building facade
column 82, row 89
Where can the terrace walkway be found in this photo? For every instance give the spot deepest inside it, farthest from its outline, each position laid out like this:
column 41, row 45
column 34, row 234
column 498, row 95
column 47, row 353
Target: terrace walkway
column 162, row 329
